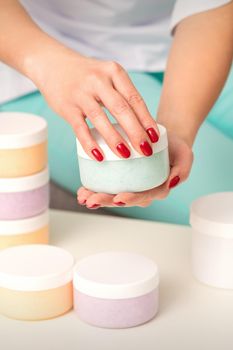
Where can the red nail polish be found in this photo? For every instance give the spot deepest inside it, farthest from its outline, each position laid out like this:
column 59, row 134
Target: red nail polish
column 94, row 206
column 152, row 135
column 120, row 204
column 146, row 148
column 174, row 181
column 98, row 156
column 123, row 150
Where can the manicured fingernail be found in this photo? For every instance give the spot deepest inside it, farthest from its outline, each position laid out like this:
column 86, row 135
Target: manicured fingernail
column 94, row 206
column 146, row 148
column 123, row 150
column 174, row 181
column 120, row 204
column 154, row 137
column 98, row 156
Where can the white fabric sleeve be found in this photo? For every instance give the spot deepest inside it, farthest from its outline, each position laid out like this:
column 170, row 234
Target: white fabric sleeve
column 185, row 8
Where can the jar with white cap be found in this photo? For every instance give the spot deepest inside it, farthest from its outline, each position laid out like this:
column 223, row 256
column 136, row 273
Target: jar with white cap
column 116, row 289
column 23, row 197
column 135, row 174
column 23, row 144
column 34, row 230
column 212, row 239
column 35, row 282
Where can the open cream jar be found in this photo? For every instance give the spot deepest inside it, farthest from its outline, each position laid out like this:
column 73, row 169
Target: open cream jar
column 23, row 144
column 116, row 289
column 35, row 282
column 135, row 174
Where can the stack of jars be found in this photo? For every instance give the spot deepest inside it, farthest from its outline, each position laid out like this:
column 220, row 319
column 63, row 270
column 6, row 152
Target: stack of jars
column 24, row 180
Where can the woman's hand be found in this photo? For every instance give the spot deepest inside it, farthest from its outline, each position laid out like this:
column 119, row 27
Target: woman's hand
column 181, row 158
column 77, row 87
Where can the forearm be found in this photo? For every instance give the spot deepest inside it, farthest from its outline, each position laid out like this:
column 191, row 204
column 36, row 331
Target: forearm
column 23, row 45
column 198, row 65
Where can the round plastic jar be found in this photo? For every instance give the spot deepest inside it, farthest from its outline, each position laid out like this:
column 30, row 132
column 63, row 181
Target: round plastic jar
column 135, row 174
column 116, row 289
column 34, row 230
column 35, row 282
column 23, row 144
column 24, row 197
column 212, row 239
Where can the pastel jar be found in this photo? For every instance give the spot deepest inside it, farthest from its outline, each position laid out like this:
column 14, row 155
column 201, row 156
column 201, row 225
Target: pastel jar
column 114, row 174
column 212, row 239
column 23, row 144
column 116, row 289
column 34, row 230
column 24, row 197
column 35, row 282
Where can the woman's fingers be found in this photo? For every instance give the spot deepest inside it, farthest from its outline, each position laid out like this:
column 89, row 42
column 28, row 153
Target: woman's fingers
column 181, row 159
column 82, row 195
column 97, row 116
column 78, row 123
column 127, row 118
column 126, row 88
column 93, row 200
column 142, row 198
column 99, row 199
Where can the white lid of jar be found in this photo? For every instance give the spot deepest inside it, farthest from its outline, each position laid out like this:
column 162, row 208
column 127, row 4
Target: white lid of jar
column 26, row 183
column 116, row 275
column 35, row 267
column 108, row 153
column 21, row 130
column 213, row 215
column 24, row 226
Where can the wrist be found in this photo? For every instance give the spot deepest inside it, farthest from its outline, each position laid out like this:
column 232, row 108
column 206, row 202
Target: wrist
column 180, row 128
column 43, row 57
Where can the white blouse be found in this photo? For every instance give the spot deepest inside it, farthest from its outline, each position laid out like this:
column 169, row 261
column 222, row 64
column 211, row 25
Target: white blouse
column 135, row 33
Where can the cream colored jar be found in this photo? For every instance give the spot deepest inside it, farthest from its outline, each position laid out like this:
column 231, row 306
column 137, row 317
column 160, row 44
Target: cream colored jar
column 35, row 282
column 23, row 144
column 33, row 230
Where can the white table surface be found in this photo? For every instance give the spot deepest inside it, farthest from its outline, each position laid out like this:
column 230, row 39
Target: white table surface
column 192, row 315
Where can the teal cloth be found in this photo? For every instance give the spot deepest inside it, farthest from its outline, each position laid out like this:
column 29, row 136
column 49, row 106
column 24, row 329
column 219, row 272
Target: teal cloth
column 213, row 166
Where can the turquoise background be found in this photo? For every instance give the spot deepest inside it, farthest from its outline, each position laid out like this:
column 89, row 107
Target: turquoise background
column 213, row 166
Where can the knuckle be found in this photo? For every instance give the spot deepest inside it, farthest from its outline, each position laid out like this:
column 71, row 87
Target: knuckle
column 135, row 98
column 114, row 66
column 161, row 195
column 120, row 107
column 93, row 113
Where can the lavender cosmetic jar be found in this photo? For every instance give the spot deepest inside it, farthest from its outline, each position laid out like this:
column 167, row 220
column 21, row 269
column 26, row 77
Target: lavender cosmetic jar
column 24, row 197
column 116, row 289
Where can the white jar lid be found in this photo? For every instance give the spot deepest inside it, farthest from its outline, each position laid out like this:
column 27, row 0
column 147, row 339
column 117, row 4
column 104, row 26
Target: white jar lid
column 213, row 214
column 20, row 130
column 18, row 227
column 35, row 267
column 26, row 183
column 108, row 153
column 116, row 275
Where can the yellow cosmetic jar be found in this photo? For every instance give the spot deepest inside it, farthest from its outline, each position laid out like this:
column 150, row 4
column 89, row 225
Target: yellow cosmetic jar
column 35, row 282
column 34, row 230
column 23, row 144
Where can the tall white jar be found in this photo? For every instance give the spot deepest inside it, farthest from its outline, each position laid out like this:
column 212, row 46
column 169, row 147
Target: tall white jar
column 212, row 239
